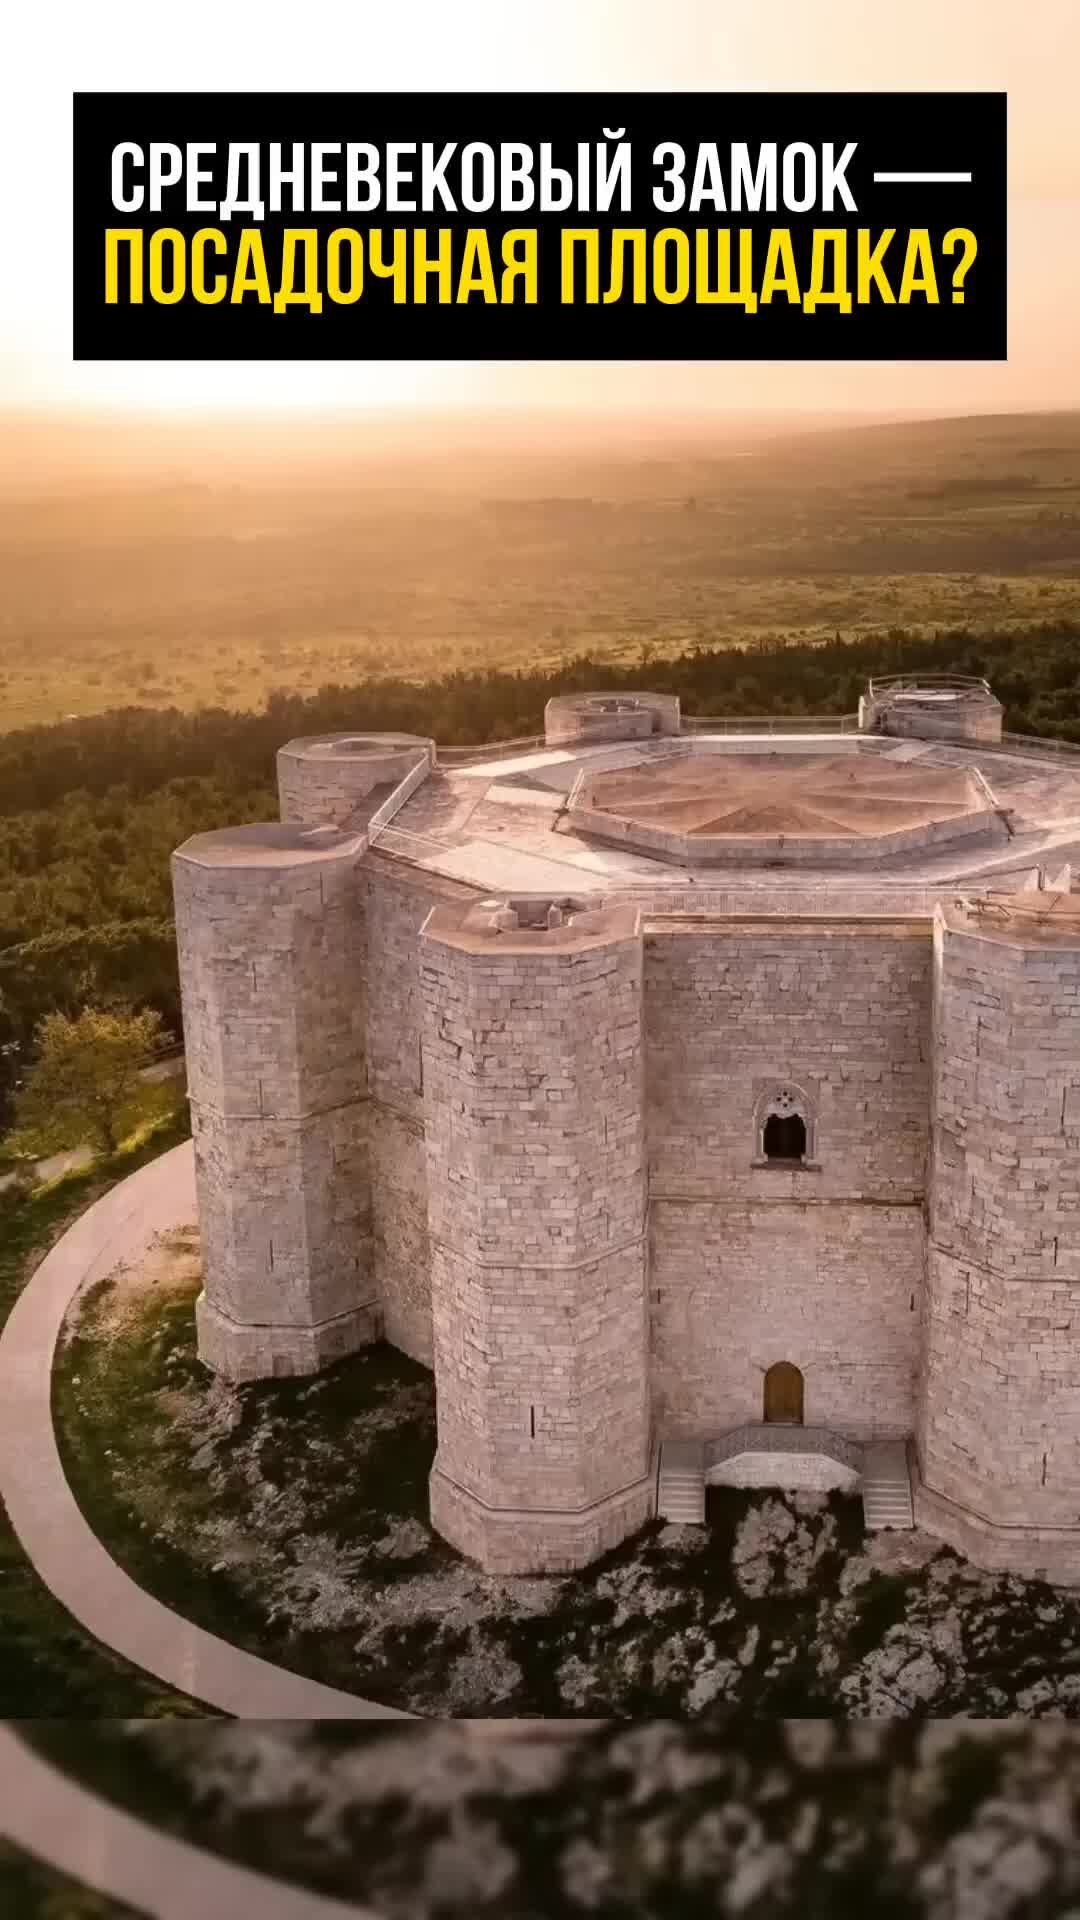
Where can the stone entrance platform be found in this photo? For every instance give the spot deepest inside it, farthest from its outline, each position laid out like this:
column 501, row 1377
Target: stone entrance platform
column 792, row 1457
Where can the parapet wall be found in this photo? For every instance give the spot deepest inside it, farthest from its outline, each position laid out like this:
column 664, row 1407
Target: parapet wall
column 941, row 707
column 588, row 719
column 754, row 850
column 330, row 778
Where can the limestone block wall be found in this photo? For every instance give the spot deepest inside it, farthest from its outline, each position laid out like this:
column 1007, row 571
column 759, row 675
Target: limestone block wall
column 399, row 1228
column 839, row 1008
column 329, row 778
column 396, row 904
column 590, row 718
column 973, row 722
column 536, row 1196
column 752, row 1263
column 1006, row 1171
column 784, row 849
column 998, row 1429
column 269, row 931
column 973, row 717
column 834, row 1288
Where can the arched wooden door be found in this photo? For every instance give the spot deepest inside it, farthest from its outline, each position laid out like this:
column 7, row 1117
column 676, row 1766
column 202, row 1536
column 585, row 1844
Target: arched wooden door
column 784, row 1394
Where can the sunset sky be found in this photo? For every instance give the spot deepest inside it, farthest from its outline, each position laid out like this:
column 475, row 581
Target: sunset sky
column 1031, row 49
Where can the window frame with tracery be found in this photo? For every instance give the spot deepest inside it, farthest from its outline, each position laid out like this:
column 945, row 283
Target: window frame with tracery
column 784, row 1101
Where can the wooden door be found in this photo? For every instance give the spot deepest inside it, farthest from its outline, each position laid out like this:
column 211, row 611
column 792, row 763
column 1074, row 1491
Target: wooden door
column 784, row 1394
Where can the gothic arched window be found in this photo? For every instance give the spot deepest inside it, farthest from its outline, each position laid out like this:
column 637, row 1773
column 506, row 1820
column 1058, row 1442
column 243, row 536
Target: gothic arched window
column 784, row 1128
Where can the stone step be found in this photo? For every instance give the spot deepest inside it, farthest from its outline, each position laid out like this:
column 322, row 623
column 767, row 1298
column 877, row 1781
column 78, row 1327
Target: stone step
column 680, row 1490
column 690, row 1513
column 886, row 1487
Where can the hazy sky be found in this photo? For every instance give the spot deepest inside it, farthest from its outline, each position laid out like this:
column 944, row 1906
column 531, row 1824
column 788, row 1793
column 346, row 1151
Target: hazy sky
column 1029, row 47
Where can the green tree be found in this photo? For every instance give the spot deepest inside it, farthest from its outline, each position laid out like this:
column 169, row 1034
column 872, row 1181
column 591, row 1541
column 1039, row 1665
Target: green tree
column 86, row 1086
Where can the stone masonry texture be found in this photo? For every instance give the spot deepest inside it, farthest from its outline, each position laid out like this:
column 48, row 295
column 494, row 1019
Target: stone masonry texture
column 522, row 1138
column 999, row 1419
column 536, row 1205
column 822, row 1265
column 277, row 1082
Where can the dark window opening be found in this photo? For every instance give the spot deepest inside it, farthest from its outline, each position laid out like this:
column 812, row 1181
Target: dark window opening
column 785, row 1137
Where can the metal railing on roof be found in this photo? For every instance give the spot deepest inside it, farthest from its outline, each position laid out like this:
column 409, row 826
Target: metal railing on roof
column 1034, row 907
column 771, row 723
column 1037, row 744
column 691, row 723
column 464, row 756
column 930, row 683
column 783, row 723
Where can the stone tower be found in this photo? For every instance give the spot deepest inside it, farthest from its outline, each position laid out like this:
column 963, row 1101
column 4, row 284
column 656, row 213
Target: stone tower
column 533, row 1083
column 998, row 1425
column 270, row 936
column 933, row 706
column 338, row 779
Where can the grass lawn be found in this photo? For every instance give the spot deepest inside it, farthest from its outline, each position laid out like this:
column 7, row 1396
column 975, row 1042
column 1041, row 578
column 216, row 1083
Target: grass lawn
column 291, row 1518
column 48, row 1665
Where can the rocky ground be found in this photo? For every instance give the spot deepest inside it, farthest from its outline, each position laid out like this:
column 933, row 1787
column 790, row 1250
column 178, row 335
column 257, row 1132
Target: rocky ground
column 799, row 1821
column 291, row 1517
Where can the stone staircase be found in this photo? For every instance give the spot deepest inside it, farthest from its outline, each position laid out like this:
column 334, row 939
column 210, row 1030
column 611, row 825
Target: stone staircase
column 886, row 1486
column 680, row 1489
column 885, row 1481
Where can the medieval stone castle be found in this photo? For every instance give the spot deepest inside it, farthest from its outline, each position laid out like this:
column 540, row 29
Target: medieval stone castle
column 699, row 1104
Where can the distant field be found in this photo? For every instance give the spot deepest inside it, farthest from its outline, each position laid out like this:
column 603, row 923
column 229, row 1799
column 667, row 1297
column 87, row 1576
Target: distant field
column 213, row 576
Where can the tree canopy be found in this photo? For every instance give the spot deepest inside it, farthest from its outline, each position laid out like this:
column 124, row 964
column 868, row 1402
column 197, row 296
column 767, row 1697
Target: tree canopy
column 91, row 808
column 87, row 1086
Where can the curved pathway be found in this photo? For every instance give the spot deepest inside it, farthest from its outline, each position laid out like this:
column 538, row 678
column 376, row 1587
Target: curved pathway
column 63, row 1550
column 59, row 1821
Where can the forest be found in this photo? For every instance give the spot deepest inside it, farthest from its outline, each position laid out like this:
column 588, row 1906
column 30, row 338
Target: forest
column 210, row 565
column 91, row 808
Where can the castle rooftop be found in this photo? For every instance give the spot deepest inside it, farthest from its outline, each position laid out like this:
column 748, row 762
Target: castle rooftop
column 1032, row 919
column 269, row 845
column 831, row 812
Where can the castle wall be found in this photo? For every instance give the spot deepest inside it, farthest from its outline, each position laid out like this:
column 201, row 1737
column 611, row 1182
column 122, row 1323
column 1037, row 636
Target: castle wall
column 579, row 719
column 396, row 905
column 967, row 722
column 999, row 1419
column 533, row 1089
column 834, row 1288
column 525, row 1138
column 837, row 1008
column 330, row 779
column 395, row 910
column 970, row 720
column 752, row 1263
column 270, row 947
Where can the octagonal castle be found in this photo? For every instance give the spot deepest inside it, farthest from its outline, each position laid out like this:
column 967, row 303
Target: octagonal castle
column 700, row 1104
